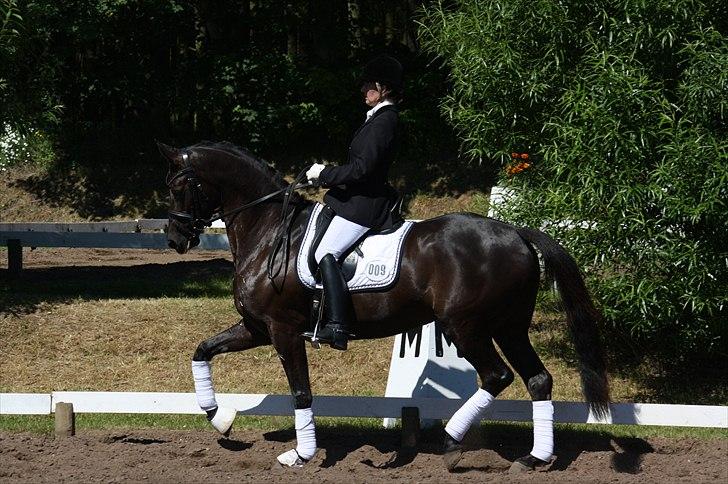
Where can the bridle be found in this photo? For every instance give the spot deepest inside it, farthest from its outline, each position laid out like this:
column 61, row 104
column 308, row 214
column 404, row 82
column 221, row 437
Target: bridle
column 193, row 224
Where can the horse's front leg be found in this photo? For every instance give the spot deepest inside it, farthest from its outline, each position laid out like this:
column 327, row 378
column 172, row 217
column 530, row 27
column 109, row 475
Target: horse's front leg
column 292, row 353
column 236, row 338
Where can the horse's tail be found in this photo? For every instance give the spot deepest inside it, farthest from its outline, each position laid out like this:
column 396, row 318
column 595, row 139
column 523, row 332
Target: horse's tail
column 581, row 316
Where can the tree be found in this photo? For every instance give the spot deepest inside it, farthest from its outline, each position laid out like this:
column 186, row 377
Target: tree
column 10, row 23
column 626, row 101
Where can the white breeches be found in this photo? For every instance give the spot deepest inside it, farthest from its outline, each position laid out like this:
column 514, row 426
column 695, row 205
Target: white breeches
column 339, row 237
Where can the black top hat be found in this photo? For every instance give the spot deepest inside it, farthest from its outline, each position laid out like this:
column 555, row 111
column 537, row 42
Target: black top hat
column 384, row 69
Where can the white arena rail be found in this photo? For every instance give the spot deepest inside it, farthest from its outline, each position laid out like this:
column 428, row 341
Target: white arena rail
column 135, row 234
column 149, row 234
column 348, row 406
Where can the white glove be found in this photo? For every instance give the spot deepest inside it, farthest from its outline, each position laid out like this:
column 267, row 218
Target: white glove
column 314, row 172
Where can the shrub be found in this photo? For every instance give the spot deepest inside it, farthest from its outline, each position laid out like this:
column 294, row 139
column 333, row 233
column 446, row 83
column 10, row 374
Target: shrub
column 627, row 104
column 30, row 146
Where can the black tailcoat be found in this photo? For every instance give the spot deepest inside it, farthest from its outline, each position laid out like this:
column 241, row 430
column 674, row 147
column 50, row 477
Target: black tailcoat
column 360, row 192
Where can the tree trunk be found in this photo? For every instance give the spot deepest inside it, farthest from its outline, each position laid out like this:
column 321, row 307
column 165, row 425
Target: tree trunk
column 292, row 22
column 389, row 25
column 354, row 27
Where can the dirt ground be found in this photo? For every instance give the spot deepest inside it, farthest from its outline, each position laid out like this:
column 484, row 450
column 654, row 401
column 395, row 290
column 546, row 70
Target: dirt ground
column 249, row 456
column 69, row 257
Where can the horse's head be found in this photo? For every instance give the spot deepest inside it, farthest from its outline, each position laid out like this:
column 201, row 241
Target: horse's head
column 192, row 199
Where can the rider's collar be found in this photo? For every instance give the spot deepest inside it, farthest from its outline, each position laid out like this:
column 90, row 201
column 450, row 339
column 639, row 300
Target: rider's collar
column 376, row 108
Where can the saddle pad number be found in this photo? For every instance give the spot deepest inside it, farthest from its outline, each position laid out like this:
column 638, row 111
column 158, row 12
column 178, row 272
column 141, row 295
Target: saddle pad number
column 376, row 271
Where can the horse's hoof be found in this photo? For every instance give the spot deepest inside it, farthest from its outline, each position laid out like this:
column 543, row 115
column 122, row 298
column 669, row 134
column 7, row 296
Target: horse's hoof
column 291, row 459
column 528, row 463
column 223, row 420
column 453, row 452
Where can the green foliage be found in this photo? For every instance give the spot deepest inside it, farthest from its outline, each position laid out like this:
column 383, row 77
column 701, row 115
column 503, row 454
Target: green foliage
column 10, row 24
column 24, row 147
column 106, row 77
column 627, row 102
column 28, row 108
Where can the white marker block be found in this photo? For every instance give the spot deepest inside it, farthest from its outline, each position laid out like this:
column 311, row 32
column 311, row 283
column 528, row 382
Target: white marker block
column 426, row 364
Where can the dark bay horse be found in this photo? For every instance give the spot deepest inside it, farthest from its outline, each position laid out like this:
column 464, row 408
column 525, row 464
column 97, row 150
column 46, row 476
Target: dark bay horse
column 476, row 276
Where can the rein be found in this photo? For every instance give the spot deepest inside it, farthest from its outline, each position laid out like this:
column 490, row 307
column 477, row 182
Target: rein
column 195, row 224
column 282, row 239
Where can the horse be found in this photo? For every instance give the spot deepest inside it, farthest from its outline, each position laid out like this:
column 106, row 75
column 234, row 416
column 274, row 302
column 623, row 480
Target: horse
column 477, row 277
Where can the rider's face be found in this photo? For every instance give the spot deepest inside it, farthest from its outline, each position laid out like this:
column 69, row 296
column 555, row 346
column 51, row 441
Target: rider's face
column 372, row 93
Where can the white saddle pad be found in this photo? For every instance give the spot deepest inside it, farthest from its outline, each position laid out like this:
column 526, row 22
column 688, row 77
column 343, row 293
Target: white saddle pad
column 379, row 267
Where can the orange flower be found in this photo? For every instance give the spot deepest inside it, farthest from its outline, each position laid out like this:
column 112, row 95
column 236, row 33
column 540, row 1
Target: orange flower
column 517, row 168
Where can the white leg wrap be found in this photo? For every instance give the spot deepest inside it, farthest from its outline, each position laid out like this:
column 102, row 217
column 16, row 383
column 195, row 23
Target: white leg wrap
column 223, row 419
column 202, row 374
column 305, row 433
column 543, row 430
column 470, row 412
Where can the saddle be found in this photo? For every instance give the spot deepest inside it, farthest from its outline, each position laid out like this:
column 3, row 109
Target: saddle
column 353, row 255
column 371, row 264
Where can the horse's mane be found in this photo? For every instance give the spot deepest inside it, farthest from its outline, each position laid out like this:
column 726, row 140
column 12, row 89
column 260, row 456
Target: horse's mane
column 243, row 154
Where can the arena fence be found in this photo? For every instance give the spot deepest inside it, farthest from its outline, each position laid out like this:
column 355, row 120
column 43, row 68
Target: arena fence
column 351, row 406
column 134, row 234
column 149, row 234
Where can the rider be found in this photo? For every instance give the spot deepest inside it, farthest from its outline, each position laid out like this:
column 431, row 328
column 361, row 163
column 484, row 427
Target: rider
column 359, row 195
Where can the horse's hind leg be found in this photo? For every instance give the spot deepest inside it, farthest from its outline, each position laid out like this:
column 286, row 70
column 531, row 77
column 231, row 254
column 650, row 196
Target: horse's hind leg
column 495, row 376
column 520, row 354
column 236, row 338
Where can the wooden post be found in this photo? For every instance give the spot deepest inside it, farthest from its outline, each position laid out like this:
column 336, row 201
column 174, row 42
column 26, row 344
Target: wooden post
column 410, row 427
column 65, row 420
column 15, row 257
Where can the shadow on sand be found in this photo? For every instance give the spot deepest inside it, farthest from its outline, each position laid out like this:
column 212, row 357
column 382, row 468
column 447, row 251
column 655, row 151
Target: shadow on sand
column 508, row 441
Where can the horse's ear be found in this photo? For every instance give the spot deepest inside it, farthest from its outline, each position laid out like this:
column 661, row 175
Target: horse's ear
column 173, row 155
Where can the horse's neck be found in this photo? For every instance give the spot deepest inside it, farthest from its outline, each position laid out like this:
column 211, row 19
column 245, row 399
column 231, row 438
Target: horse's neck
column 252, row 234
column 251, row 228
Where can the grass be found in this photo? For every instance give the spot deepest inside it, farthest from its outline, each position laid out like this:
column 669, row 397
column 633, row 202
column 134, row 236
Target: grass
column 44, row 423
column 492, row 431
column 145, row 344
column 135, row 328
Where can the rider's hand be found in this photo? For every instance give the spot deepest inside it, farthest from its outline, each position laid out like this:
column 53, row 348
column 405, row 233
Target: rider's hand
column 313, row 173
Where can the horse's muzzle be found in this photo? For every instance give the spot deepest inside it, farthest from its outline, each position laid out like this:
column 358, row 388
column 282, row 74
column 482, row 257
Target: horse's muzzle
column 184, row 245
column 181, row 248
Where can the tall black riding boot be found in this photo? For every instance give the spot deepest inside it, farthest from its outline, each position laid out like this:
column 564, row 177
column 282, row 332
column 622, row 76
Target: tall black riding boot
column 338, row 309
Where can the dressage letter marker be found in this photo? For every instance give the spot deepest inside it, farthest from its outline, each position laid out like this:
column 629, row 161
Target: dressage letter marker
column 425, row 364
